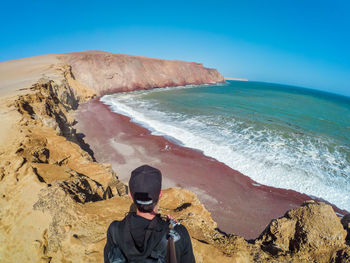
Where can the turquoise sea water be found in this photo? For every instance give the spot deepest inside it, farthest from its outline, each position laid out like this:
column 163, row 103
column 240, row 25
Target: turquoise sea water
column 278, row 135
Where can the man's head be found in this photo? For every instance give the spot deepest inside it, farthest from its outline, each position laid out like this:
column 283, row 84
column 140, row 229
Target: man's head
column 145, row 186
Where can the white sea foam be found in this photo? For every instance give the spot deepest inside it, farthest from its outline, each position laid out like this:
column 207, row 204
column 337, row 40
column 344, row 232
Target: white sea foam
column 300, row 162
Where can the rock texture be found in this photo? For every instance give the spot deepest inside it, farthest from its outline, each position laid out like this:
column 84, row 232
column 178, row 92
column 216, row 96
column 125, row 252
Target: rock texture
column 57, row 202
column 312, row 233
column 106, row 72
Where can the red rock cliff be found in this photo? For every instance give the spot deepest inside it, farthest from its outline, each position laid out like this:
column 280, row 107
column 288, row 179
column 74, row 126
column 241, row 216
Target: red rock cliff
column 107, row 72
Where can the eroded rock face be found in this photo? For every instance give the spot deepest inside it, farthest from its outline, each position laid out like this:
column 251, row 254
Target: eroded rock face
column 57, row 202
column 45, row 158
column 312, row 232
column 107, row 72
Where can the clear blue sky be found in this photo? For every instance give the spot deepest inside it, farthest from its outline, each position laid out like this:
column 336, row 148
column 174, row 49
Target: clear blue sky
column 298, row 42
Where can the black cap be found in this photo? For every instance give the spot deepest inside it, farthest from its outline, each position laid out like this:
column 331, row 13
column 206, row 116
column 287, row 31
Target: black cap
column 145, row 184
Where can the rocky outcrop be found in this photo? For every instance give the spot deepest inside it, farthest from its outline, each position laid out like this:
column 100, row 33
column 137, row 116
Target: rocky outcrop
column 46, row 159
column 311, row 233
column 57, row 202
column 107, row 72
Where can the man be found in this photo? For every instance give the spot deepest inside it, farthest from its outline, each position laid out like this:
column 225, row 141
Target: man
column 143, row 236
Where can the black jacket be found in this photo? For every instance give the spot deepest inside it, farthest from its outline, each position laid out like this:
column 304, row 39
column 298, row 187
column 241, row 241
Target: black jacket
column 138, row 238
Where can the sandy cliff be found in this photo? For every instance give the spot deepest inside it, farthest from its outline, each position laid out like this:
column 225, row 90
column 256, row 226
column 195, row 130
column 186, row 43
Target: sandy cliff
column 106, row 72
column 57, row 202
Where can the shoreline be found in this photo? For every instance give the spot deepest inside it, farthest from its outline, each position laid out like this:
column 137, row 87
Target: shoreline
column 230, row 196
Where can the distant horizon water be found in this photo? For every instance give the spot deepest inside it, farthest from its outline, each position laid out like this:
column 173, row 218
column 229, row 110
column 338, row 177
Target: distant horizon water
column 288, row 85
column 279, row 135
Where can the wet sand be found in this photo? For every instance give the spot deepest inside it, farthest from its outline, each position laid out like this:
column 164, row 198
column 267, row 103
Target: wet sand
column 238, row 204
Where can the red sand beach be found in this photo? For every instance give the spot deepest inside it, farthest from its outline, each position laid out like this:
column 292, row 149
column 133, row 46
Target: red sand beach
column 236, row 204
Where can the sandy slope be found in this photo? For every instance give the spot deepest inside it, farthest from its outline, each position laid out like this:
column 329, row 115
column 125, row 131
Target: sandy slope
column 16, row 76
column 22, row 73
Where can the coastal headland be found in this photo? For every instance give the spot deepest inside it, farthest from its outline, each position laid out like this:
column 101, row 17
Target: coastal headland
column 65, row 159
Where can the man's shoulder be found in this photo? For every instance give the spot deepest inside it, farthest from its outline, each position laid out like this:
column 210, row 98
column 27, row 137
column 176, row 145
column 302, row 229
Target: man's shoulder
column 181, row 229
column 113, row 229
column 184, row 251
column 117, row 222
column 114, row 225
column 180, row 235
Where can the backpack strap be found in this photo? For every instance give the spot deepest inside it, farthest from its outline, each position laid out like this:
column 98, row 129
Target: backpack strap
column 115, row 254
column 159, row 252
column 114, row 232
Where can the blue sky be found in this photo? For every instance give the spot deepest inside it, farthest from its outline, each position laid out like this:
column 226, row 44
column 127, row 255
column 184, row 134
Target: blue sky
column 297, row 42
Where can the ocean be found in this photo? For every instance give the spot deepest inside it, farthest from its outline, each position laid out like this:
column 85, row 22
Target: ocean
column 278, row 135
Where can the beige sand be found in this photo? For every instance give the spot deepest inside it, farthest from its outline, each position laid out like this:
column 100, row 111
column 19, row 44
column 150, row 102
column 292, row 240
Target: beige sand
column 16, row 77
column 22, row 73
